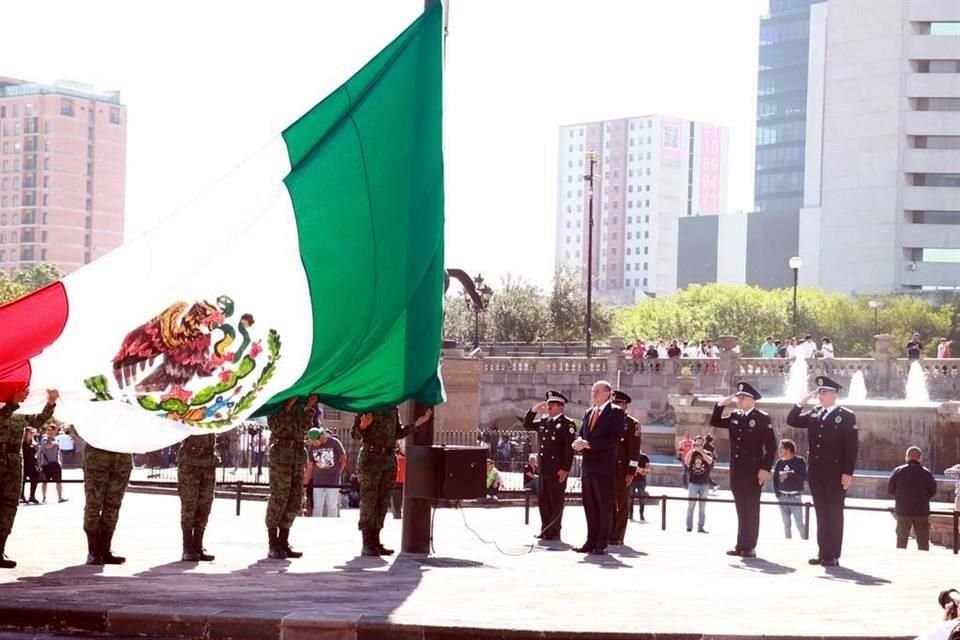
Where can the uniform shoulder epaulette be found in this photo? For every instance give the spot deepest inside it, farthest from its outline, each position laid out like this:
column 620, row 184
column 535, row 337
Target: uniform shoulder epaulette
column 762, row 412
column 845, row 410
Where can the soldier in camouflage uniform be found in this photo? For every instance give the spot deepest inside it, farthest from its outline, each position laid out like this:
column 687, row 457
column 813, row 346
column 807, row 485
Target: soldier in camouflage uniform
column 288, row 457
column 197, row 462
column 11, row 460
column 105, row 478
column 377, row 470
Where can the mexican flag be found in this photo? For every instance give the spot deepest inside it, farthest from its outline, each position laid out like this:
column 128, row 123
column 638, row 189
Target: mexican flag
column 315, row 267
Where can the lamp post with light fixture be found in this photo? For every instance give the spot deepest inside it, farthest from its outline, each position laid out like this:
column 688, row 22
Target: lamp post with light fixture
column 795, row 263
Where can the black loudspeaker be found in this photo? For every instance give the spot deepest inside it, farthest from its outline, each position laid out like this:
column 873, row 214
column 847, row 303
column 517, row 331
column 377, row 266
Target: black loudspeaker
column 442, row 472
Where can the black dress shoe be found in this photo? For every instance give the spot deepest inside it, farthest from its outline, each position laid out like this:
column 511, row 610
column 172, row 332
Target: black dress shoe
column 748, row 554
column 582, row 549
column 814, row 561
column 830, row 562
column 734, row 552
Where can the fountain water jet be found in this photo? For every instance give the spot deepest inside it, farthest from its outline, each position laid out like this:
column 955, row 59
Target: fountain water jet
column 917, row 384
column 797, row 385
column 858, row 388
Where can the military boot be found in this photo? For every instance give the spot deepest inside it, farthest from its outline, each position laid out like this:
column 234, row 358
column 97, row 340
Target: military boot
column 189, row 553
column 5, row 562
column 94, row 557
column 285, row 544
column 106, row 541
column 369, row 546
column 198, row 546
column 376, row 541
column 276, row 553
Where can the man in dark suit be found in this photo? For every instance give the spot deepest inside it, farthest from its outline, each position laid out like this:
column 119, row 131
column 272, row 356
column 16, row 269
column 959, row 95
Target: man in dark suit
column 753, row 448
column 555, row 434
column 833, row 437
column 600, row 433
column 628, row 459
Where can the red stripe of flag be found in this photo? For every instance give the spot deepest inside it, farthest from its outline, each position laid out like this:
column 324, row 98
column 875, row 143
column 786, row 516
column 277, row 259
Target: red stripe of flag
column 27, row 327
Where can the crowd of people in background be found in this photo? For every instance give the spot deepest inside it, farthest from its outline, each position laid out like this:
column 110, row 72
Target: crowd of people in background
column 657, row 349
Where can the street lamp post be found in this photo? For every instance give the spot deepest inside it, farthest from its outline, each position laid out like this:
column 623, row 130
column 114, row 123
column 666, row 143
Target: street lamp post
column 589, row 179
column 875, row 305
column 795, row 263
column 485, row 294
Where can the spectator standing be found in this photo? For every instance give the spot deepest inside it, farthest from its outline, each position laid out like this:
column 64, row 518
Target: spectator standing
column 673, row 351
column 915, row 348
column 493, row 480
column 638, row 351
column 792, row 348
column 326, row 460
column 789, row 476
column 781, row 348
column 68, row 447
column 683, row 447
column 807, row 348
column 652, row 353
column 944, row 349
column 638, row 487
column 826, row 349
column 531, row 474
column 51, row 463
column 699, row 462
column 31, row 466
column 768, row 349
column 912, row 485
column 712, row 350
column 710, row 447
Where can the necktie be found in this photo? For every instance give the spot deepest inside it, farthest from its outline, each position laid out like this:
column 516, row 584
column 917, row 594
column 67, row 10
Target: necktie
column 594, row 417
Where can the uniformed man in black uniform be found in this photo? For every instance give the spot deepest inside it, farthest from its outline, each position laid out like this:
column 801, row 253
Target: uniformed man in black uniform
column 753, row 448
column 832, row 436
column 555, row 433
column 628, row 459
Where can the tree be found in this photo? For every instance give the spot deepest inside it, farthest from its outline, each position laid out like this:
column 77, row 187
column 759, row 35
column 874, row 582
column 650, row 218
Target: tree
column 458, row 320
column 568, row 310
column 518, row 312
column 25, row 280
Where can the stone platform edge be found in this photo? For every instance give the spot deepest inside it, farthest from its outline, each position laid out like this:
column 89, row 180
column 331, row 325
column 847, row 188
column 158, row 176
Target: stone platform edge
column 154, row 621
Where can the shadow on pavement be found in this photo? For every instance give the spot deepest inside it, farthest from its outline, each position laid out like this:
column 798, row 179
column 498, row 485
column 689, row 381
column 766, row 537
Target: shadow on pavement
column 844, row 574
column 760, row 565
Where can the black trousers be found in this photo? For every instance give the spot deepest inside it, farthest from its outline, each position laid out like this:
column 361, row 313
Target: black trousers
column 598, row 506
column 621, row 506
column 828, row 497
column 550, row 501
column 746, row 497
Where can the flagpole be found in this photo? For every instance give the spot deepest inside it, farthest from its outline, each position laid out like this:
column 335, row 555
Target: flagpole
column 415, row 537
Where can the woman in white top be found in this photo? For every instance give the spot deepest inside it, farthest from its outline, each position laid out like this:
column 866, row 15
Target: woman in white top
column 826, row 349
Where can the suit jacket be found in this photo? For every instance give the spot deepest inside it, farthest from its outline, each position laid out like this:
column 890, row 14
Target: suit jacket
column 554, row 437
column 753, row 445
column 833, row 440
column 601, row 457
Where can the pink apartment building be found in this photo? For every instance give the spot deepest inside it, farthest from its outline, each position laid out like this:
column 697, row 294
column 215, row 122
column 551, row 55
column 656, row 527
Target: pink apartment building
column 62, row 173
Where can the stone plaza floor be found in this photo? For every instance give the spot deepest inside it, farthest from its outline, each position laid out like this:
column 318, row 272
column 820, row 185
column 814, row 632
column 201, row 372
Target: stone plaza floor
column 487, row 573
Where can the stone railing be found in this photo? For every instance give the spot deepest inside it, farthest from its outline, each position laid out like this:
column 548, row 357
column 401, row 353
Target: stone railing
column 544, row 365
column 945, row 368
column 672, row 366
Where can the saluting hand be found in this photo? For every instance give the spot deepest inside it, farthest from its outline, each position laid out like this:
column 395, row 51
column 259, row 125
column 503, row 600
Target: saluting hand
column 845, row 481
column 807, row 398
column 727, row 401
column 762, row 476
column 366, row 419
column 422, row 420
column 539, row 407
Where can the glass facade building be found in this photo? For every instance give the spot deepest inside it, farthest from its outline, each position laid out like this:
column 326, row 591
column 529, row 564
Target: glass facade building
column 781, row 105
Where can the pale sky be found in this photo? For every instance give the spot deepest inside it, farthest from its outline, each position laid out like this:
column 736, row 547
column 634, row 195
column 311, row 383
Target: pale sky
column 207, row 83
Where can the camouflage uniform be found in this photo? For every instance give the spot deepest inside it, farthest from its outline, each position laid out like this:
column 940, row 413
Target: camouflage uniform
column 197, row 462
column 11, row 462
column 105, row 478
column 288, row 457
column 377, row 469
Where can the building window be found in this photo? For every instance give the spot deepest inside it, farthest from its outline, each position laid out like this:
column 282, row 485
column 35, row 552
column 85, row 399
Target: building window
column 928, row 179
column 66, row 107
column 646, row 251
column 936, row 142
column 16, row 111
column 937, row 104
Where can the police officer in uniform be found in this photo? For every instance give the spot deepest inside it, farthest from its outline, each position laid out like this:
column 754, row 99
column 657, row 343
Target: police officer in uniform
column 197, row 462
column 833, row 439
column 11, row 460
column 288, row 457
column 555, row 434
column 753, row 447
column 377, row 470
column 628, row 459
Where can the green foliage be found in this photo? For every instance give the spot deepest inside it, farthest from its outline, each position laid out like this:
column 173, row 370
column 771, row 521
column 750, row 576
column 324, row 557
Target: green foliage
column 26, row 280
column 273, row 344
column 458, row 320
column 518, row 312
column 708, row 311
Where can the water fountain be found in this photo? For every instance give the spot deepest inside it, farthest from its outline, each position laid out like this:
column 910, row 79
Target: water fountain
column 858, row 388
column 917, row 384
column 797, row 385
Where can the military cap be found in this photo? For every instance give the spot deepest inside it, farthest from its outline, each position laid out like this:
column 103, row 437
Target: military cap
column 826, row 384
column 622, row 396
column 746, row 389
column 555, row 396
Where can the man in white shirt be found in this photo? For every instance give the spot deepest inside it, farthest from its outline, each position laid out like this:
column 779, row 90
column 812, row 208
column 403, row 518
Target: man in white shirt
column 807, row 348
